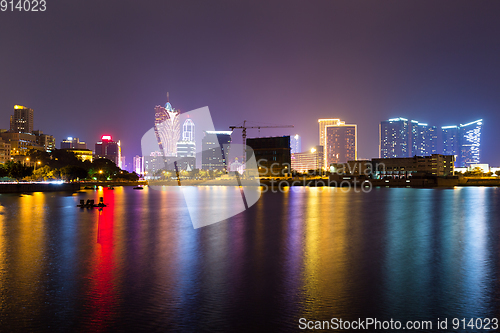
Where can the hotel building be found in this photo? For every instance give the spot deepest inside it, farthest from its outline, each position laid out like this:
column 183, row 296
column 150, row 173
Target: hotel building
column 167, row 129
column 464, row 142
column 339, row 141
column 309, row 160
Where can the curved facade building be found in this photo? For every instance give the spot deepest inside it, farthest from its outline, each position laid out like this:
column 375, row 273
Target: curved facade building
column 167, row 129
column 470, row 145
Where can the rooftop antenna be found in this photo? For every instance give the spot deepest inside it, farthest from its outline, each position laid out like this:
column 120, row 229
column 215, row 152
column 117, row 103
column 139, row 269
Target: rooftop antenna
column 167, row 98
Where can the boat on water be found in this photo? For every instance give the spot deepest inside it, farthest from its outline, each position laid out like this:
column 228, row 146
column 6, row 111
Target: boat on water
column 90, row 203
column 138, row 188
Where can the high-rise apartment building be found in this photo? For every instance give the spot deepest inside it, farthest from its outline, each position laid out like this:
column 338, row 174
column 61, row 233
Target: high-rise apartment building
column 339, row 141
column 167, row 129
column 107, row 148
column 215, row 150
column 295, row 144
column 22, row 120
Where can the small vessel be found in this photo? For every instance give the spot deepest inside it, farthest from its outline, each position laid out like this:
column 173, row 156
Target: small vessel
column 90, row 203
column 138, row 188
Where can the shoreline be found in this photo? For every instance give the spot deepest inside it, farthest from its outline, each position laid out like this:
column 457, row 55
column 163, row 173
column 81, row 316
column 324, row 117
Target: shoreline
column 351, row 182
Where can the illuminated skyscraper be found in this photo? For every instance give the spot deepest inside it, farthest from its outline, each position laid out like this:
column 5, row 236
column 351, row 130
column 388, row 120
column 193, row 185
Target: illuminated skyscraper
column 470, row 143
column 22, row 120
column 188, row 130
column 450, row 136
column 464, row 142
column 400, row 137
column 107, row 148
column 423, row 138
column 138, row 165
column 215, row 150
column 295, row 144
column 186, row 149
column 322, row 128
column 167, row 129
column 339, row 141
column 395, row 138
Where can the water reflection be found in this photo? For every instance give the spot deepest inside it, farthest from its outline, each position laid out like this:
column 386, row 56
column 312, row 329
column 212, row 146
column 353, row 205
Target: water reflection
column 317, row 253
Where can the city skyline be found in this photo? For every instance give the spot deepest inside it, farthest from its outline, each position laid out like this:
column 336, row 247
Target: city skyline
column 362, row 73
column 328, row 165
column 418, row 139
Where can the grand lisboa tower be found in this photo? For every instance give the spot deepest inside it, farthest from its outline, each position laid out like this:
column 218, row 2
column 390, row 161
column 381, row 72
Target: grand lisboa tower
column 167, row 128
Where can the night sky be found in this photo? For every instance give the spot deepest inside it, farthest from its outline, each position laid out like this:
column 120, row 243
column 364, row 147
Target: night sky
column 91, row 67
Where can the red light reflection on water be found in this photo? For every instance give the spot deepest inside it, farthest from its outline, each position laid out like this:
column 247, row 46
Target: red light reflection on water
column 102, row 285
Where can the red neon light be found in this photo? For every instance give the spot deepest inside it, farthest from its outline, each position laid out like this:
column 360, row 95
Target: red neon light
column 106, row 137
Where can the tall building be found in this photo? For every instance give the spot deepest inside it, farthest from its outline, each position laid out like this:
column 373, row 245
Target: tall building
column 450, row 138
column 295, row 144
column 339, row 141
column 322, row 128
column 423, row 138
column 309, row 160
column 22, row 120
column 464, row 142
column 215, row 150
column 188, row 130
column 400, row 137
column 167, row 129
column 186, row 149
column 73, row 143
column 107, row 148
column 272, row 155
column 138, row 165
column 470, row 143
column 395, row 138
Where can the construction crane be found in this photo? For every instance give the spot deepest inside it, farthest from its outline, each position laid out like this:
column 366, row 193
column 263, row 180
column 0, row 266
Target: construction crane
column 244, row 132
